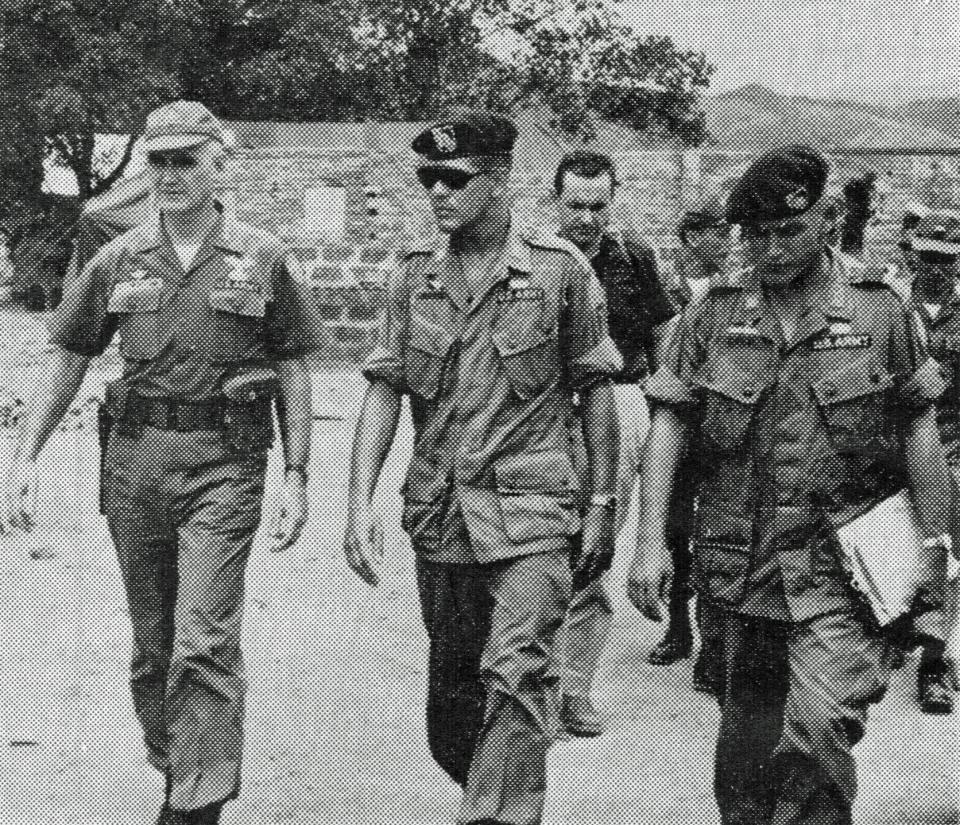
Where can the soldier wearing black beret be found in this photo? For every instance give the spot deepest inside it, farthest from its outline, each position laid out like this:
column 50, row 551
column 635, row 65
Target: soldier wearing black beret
column 490, row 332
column 814, row 399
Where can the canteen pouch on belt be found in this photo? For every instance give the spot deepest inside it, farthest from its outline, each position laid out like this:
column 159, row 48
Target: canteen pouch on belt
column 248, row 409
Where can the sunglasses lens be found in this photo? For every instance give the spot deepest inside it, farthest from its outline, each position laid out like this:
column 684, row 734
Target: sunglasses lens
column 454, row 179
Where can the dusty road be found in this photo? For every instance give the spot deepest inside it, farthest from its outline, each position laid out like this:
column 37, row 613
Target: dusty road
column 337, row 679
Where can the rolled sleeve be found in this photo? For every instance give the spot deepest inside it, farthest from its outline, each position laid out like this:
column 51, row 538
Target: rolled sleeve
column 81, row 323
column 591, row 354
column 671, row 384
column 919, row 379
column 385, row 362
column 290, row 333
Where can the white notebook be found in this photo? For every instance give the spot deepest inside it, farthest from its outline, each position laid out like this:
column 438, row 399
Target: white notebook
column 880, row 549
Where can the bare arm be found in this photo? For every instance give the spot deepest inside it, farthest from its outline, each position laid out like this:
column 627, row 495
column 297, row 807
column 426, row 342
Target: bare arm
column 601, row 436
column 651, row 574
column 295, row 411
column 63, row 374
column 928, row 473
column 376, row 428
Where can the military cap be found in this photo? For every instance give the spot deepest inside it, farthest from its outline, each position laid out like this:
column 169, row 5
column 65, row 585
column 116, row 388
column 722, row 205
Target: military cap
column 181, row 125
column 938, row 231
column 702, row 215
column 780, row 184
column 467, row 133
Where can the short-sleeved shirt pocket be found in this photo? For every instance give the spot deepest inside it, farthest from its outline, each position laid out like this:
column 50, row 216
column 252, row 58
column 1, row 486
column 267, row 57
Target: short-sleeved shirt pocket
column 853, row 401
column 137, row 303
column 236, row 311
column 526, row 340
column 426, row 354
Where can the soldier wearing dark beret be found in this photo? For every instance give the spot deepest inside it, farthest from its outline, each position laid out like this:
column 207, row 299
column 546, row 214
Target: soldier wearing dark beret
column 490, row 332
column 813, row 398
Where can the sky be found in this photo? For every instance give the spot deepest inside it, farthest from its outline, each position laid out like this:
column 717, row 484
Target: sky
column 867, row 50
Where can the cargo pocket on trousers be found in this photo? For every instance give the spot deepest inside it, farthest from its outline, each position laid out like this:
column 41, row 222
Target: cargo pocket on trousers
column 536, row 495
column 425, row 358
column 721, row 569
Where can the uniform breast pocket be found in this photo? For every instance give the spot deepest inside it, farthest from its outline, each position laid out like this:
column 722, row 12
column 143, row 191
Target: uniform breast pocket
column 729, row 409
column 852, row 401
column 137, row 305
column 234, row 324
column 426, row 355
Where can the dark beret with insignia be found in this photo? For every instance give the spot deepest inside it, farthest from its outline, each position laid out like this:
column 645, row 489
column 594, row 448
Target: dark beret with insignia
column 780, row 184
column 702, row 215
column 938, row 231
column 467, row 133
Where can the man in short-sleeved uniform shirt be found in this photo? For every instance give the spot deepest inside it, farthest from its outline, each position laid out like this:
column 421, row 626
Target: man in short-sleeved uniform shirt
column 808, row 414
column 209, row 333
column 489, row 333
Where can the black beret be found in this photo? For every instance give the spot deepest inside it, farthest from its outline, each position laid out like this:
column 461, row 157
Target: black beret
column 702, row 215
column 780, row 184
column 466, row 134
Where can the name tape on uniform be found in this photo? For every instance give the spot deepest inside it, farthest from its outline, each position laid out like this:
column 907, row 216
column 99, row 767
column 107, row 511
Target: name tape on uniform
column 829, row 342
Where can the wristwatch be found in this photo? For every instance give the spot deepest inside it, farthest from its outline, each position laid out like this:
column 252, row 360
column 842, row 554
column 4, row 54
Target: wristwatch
column 297, row 468
column 944, row 540
column 605, row 500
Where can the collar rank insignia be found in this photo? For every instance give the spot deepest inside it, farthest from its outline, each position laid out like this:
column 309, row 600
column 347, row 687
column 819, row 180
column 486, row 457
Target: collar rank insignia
column 797, row 200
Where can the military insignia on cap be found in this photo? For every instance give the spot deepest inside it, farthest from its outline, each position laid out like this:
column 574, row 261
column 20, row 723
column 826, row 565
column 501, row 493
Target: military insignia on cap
column 139, row 275
column 444, row 138
column 797, row 200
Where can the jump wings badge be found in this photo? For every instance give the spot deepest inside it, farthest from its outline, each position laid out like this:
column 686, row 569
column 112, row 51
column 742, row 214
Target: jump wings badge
column 241, row 275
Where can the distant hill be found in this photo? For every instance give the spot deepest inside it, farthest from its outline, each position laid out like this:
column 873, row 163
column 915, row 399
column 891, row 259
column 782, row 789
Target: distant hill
column 754, row 117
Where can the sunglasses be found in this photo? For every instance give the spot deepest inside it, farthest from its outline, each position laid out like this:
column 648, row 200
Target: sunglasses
column 455, row 179
column 785, row 231
column 165, row 160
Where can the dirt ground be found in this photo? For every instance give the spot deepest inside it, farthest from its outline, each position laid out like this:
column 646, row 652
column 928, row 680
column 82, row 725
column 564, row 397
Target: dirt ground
column 336, row 674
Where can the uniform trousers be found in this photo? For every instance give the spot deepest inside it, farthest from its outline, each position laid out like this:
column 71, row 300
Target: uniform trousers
column 491, row 629
column 796, row 702
column 182, row 509
column 587, row 625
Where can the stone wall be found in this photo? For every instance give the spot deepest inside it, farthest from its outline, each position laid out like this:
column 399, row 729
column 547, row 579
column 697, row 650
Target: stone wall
column 347, row 257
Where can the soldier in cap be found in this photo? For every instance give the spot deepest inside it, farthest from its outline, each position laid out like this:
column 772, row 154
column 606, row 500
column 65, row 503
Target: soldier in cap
column 705, row 246
column 637, row 310
column 814, row 399
column 935, row 296
column 212, row 338
column 490, row 333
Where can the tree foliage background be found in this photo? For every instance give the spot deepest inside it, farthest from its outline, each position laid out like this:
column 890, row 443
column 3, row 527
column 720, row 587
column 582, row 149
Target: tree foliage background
column 70, row 69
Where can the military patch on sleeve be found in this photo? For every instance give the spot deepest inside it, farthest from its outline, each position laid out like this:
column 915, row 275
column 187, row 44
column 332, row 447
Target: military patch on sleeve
column 831, row 342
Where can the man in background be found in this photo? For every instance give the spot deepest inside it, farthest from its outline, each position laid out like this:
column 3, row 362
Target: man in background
column 637, row 308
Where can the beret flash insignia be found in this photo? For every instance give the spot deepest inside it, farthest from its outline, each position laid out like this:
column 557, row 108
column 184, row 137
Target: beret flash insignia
column 798, row 200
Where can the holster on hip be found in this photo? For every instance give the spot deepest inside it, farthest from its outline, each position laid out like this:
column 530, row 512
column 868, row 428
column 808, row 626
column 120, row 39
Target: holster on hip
column 248, row 409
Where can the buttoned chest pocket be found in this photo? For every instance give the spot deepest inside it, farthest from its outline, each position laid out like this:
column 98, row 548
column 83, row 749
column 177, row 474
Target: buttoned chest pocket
column 234, row 328
column 852, row 401
column 426, row 356
column 137, row 305
column 729, row 410
column 527, row 344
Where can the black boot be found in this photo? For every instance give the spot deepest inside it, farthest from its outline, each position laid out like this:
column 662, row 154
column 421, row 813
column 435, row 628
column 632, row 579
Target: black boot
column 677, row 642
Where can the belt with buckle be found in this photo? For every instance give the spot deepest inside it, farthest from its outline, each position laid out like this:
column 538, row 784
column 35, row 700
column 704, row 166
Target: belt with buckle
column 171, row 414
